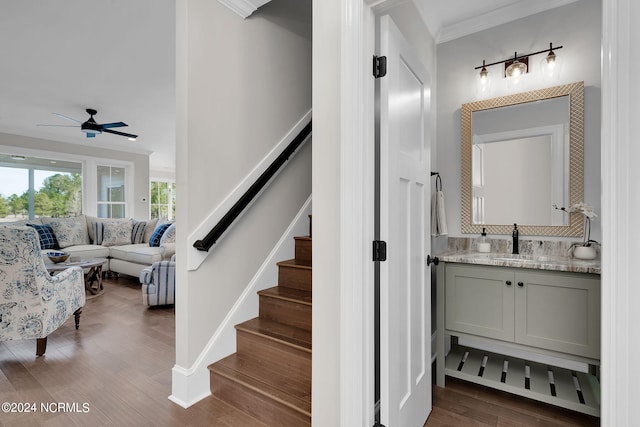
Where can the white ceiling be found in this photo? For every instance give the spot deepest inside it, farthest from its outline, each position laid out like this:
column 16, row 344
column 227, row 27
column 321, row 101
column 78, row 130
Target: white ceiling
column 118, row 57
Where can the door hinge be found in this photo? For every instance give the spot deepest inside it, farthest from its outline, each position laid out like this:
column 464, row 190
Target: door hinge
column 379, row 66
column 379, row 250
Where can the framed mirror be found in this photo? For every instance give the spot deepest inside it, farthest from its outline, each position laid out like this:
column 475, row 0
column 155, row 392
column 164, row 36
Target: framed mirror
column 521, row 155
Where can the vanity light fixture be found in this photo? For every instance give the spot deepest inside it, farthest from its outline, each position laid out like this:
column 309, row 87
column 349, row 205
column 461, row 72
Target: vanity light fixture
column 519, row 64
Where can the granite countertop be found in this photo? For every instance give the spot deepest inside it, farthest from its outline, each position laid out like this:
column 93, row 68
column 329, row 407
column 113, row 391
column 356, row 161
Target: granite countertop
column 539, row 262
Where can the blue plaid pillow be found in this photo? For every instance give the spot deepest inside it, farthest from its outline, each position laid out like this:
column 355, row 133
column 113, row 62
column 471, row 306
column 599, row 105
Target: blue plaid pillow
column 47, row 238
column 157, row 234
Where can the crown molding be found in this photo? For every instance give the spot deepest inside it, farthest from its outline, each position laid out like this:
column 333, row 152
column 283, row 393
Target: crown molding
column 244, row 8
column 496, row 17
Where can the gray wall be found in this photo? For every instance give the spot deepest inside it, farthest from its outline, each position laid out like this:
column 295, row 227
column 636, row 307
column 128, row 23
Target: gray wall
column 242, row 85
column 577, row 27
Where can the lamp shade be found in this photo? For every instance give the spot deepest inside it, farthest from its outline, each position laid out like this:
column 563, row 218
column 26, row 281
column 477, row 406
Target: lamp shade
column 550, row 66
column 483, row 81
column 516, row 69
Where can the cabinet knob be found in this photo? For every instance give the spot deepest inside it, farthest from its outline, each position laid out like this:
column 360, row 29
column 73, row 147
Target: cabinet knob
column 520, row 284
column 508, row 282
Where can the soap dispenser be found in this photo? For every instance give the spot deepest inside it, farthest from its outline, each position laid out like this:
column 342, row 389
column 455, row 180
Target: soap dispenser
column 483, row 243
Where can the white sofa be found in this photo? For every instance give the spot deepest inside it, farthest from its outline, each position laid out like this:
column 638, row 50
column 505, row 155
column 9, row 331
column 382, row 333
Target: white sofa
column 77, row 236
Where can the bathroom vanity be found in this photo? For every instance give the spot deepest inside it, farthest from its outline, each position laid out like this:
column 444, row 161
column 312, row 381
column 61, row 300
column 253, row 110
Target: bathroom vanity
column 528, row 325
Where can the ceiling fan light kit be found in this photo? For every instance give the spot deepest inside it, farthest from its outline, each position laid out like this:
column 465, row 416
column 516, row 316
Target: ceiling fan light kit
column 91, row 128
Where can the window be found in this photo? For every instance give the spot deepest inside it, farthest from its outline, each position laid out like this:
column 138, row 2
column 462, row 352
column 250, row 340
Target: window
column 163, row 199
column 111, row 192
column 33, row 187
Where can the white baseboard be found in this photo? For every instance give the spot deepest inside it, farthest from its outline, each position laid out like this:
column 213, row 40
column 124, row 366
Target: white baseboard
column 190, row 385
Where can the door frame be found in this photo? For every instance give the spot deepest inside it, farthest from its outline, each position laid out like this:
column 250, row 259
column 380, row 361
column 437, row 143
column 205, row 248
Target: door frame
column 357, row 171
column 619, row 200
column 357, row 215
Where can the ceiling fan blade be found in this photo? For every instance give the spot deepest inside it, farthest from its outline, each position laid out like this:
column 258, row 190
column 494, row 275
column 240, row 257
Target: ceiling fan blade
column 67, row 117
column 115, row 132
column 113, row 125
column 60, row 126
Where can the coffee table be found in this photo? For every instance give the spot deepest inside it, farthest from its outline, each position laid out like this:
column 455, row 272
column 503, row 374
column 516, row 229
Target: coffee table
column 92, row 276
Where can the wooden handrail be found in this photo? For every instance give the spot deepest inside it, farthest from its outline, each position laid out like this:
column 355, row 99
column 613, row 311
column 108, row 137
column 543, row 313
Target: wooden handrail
column 236, row 210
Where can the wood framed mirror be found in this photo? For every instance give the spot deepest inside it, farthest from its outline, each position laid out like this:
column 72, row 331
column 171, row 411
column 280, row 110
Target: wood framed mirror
column 521, row 155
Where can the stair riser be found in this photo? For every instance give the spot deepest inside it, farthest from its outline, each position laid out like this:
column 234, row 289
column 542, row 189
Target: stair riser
column 284, row 311
column 297, row 361
column 303, row 251
column 295, row 278
column 256, row 404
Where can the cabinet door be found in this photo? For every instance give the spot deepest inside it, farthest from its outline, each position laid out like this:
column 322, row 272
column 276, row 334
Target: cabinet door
column 558, row 311
column 479, row 301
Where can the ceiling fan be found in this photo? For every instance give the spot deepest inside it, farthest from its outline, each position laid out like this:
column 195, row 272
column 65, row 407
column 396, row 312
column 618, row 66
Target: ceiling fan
column 91, row 128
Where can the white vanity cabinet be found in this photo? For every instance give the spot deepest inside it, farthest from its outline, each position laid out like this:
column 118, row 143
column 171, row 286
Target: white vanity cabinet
column 525, row 320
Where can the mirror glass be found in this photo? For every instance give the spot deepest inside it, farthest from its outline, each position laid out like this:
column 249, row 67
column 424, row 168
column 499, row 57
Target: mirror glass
column 522, row 154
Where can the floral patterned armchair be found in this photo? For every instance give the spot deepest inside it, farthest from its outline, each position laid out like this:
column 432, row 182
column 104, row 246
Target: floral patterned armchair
column 33, row 303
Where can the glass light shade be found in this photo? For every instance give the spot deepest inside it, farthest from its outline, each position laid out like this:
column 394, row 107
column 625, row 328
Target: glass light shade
column 550, row 66
column 483, row 81
column 516, row 69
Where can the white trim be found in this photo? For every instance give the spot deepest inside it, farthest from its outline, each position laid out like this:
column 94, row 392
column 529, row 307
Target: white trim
column 195, row 257
column 183, row 381
column 491, row 19
column 619, row 236
column 244, row 8
column 190, row 385
column 356, row 218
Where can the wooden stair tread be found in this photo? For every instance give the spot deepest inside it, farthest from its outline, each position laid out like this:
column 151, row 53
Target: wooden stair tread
column 276, row 383
column 309, row 238
column 294, row 337
column 292, row 263
column 288, row 294
column 296, row 403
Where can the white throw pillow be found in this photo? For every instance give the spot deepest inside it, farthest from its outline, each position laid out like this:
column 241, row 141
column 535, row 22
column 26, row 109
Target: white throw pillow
column 70, row 231
column 116, row 233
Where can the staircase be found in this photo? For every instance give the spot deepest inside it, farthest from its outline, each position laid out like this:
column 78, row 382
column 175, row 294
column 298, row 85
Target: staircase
column 269, row 376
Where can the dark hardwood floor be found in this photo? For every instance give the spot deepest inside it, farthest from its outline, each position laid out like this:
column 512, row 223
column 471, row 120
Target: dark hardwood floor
column 462, row 403
column 116, row 371
column 117, row 366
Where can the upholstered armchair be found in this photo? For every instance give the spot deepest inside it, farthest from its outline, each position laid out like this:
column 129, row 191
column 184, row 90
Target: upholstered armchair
column 159, row 283
column 32, row 302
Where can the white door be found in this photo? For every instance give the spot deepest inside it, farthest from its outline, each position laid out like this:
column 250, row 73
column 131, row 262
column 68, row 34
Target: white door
column 405, row 282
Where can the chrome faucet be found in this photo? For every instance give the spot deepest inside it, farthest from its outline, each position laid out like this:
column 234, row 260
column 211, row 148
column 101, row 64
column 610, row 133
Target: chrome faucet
column 515, row 235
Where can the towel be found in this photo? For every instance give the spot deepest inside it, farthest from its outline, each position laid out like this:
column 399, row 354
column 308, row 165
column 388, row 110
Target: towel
column 438, row 216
